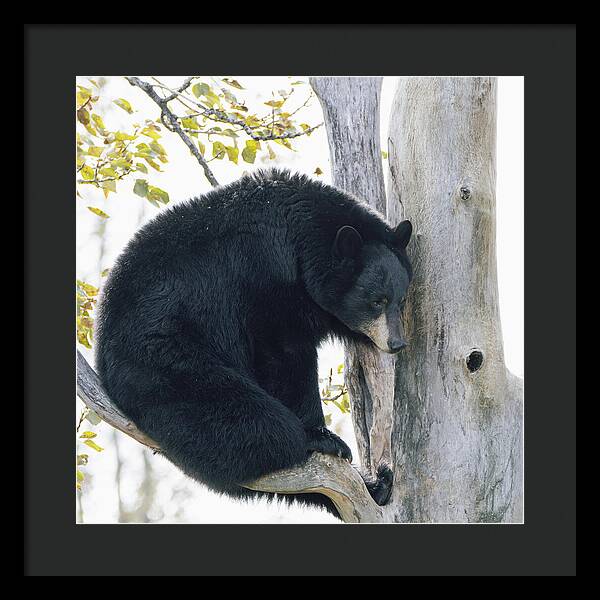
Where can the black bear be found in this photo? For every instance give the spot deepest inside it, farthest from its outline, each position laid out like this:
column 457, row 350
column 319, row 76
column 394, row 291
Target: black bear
column 210, row 320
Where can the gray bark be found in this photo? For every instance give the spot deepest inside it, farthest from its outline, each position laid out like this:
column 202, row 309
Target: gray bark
column 351, row 112
column 456, row 434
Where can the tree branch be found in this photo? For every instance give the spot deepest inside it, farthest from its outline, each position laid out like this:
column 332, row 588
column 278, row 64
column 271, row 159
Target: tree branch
column 220, row 116
column 327, row 475
column 174, row 125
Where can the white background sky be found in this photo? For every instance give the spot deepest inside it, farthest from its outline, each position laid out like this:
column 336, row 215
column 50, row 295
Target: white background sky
column 177, row 498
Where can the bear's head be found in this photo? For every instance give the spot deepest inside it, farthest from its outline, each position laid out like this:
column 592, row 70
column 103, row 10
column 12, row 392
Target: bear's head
column 377, row 278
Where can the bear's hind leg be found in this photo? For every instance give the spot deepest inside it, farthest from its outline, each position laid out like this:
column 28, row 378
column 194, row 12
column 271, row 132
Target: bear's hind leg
column 225, row 431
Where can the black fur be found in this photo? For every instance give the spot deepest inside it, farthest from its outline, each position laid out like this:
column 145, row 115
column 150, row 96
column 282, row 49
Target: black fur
column 210, row 320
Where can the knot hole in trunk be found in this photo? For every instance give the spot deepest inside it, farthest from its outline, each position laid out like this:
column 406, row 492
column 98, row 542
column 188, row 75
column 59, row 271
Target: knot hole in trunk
column 474, row 360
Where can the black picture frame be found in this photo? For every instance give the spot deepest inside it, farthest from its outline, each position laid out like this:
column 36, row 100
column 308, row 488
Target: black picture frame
column 544, row 544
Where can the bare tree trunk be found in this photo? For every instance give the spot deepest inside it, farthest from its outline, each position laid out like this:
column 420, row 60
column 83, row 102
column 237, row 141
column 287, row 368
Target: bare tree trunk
column 456, row 413
column 351, row 112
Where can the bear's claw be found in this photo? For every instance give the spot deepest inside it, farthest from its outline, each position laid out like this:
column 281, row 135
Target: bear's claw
column 320, row 439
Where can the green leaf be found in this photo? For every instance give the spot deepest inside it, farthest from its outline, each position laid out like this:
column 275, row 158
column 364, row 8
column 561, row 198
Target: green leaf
column 122, row 103
column 93, row 445
column 157, row 195
column 190, row 123
column 98, row 212
column 212, row 99
column 108, row 172
column 92, row 415
column 141, row 167
column 249, row 154
column 157, row 148
column 120, row 163
column 328, row 420
column 109, row 186
column 141, row 188
column 384, row 154
column 218, row 150
column 201, row 147
column 104, row 273
column 200, row 89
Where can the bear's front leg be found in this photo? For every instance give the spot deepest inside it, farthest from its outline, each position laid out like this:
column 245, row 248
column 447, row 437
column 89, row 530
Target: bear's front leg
column 320, row 439
column 291, row 375
column 308, row 406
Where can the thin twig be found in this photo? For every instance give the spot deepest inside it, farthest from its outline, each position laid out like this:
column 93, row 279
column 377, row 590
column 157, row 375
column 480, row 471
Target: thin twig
column 222, row 117
column 167, row 115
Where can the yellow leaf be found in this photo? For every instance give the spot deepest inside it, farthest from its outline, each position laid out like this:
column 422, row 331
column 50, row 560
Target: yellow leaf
column 88, row 435
column 318, row 171
column 232, row 154
column 93, row 445
column 95, row 151
column 87, row 173
column 98, row 121
column 122, row 103
column 340, row 368
column 89, row 289
column 98, row 212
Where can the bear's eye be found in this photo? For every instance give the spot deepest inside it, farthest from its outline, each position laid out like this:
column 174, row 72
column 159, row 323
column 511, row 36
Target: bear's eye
column 379, row 302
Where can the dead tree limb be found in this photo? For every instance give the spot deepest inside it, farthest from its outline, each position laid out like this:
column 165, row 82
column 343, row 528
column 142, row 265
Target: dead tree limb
column 327, row 475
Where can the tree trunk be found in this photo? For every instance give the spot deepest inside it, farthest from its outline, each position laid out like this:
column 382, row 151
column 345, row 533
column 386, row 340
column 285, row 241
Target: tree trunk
column 456, row 414
column 351, row 113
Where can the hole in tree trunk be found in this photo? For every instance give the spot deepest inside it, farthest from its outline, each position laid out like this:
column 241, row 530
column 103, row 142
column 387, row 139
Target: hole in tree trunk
column 474, row 360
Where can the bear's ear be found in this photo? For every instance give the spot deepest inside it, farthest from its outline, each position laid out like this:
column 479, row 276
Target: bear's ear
column 402, row 234
column 348, row 242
